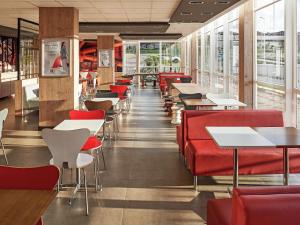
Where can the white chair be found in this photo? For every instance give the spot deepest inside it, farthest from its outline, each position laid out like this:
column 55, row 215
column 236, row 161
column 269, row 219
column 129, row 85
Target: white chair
column 65, row 148
column 3, row 116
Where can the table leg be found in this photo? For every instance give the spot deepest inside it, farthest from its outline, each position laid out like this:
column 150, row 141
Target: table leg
column 286, row 166
column 235, row 168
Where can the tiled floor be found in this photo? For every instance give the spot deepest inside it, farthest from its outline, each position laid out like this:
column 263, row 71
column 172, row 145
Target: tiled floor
column 146, row 182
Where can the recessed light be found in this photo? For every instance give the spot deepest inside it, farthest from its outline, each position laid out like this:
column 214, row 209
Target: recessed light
column 222, row 2
column 196, row 2
column 207, row 13
column 186, row 13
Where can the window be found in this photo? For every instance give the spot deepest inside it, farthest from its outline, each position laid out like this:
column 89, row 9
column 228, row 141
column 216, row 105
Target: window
column 199, row 46
column 130, row 58
column 234, row 59
column 270, row 56
column 170, row 57
column 149, row 57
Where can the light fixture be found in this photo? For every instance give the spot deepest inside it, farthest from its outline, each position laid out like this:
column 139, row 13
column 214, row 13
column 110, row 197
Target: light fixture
column 222, row 2
column 186, row 13
column 195, row 2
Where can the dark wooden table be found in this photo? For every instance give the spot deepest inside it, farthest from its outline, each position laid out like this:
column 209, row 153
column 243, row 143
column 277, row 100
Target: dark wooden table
column 282, row 137
column 23, row 207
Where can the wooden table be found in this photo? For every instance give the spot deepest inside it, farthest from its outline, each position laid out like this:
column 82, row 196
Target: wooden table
column 189, row 88
column 23, row 207
column 93, row 125
column 114, row 100
column 238, row 138
column 282, row 137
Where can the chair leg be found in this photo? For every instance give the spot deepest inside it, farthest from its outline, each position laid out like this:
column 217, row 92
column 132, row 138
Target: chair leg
column 86, row 196
column 102, row 153
column 4, row 153
column 96, row 174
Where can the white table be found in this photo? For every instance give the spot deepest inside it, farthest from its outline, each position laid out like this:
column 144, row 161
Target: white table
column 236, row 138
column 227, row 102
column 189, row 88
column 115, row 101
column 93, row 125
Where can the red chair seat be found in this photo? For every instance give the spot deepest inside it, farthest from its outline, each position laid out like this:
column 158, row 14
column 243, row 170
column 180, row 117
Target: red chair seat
column 219, row 212
column 92, row 143
column 206, row 158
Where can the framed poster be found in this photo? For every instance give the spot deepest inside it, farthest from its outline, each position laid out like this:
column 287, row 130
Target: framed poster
column 56, row 57
column 105, row 58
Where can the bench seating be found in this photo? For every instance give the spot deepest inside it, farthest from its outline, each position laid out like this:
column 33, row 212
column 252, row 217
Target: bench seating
column 257, row 206
column 205, row 158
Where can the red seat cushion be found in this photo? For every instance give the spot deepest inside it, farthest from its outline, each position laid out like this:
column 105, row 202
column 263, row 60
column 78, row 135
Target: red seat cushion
column 219, row 212
column 92, row 143
column 204, row 157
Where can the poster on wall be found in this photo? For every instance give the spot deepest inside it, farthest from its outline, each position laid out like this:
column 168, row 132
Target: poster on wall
column 105, row 58
column 56, row 57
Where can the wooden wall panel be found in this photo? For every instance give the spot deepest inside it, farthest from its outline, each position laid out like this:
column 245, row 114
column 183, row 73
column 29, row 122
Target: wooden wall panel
column 246, row 54
column 106, row 75
column 57, row 94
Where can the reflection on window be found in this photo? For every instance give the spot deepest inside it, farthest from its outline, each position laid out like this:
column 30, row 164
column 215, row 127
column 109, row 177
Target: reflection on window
column 219, row 53
column 270, row 42
column 149, row 57
column 234, row 59
column 130, row 58
column 170, row 57
column 207, row 51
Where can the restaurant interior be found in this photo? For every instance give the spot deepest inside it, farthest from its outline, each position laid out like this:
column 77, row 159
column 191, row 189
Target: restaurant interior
column 150, row 112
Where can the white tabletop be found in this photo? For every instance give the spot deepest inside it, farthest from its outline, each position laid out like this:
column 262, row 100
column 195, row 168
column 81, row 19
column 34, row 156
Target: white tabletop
column 114, row 100
column 238, row 137
column 93, row 125
column 227, row 102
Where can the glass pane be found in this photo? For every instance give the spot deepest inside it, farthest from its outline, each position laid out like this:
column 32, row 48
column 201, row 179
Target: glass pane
column 130, row 58
column 271, row 56
column 199, row 57
column 261, row 3
column 207, row 51
column 218, row 76
column 149, row 57
column 233, row 59
column 170, row 57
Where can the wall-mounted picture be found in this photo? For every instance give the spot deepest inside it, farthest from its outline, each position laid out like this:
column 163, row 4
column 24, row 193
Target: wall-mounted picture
column 56, row 57
column 105, row 58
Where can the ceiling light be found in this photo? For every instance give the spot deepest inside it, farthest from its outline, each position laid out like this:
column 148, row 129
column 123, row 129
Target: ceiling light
column 222, row 2
column 207, row 13
column 186, row 13
column 196, row 2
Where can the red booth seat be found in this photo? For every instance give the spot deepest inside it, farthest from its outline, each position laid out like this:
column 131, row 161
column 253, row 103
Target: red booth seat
column 162, row 79
column 257, row 206
column 205, row 158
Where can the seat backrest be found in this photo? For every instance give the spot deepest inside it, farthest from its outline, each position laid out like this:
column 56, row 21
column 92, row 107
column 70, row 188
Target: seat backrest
column 31, row 91
column 104, row 105
column 106, row 95
column 185, row 79
column 190, row 96
column 38, row 178
column 3, row 116
column 65, row 145
column 87, row 115
column 266, row 205
column 197, row 121
column 120, row 89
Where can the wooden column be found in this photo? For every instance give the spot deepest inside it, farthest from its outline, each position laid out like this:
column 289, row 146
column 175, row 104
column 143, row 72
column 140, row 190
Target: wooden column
column 59, row 95
column 106, row 75
column 246, row 54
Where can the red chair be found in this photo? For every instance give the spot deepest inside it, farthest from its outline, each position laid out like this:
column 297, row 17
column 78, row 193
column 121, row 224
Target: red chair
column 38, row 178
column 122, row 91
column 93, row 143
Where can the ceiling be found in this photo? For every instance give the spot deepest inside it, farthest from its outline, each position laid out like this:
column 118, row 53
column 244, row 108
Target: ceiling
column 102, row 11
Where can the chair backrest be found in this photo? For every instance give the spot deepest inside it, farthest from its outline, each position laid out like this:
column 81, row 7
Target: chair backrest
column 120, row 89
column 106, row 95
column 65, row 145
column 185, row 79
column 3, row 116
column 38, row 178
column 92, row 105
column 190, row 96
column 87, row 115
